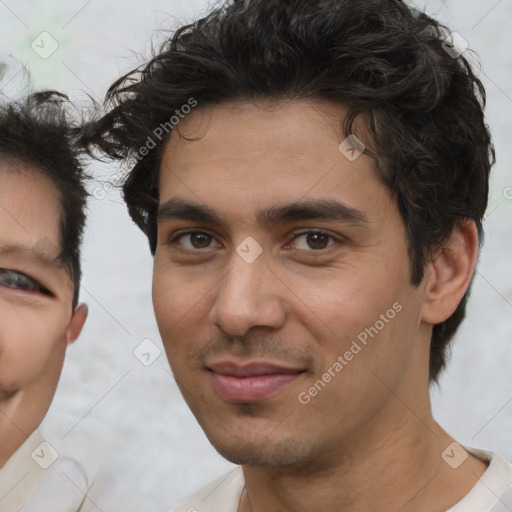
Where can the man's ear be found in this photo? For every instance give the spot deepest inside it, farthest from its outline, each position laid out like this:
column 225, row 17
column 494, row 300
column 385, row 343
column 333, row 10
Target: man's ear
column 76, row 323
column 449, row 275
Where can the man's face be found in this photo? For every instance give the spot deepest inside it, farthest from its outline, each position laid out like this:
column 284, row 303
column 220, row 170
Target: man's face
column 36, row 292
column 286, row 353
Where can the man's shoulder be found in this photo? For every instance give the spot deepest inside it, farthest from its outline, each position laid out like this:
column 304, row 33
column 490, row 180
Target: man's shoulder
column 493, row 492
column 497, row 482
column 220, row 494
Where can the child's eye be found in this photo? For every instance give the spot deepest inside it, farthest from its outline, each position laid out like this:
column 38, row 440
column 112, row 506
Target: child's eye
column 20, row 281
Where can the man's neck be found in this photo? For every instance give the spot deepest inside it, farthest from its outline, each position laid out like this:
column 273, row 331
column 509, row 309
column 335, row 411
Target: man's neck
column 395, row 467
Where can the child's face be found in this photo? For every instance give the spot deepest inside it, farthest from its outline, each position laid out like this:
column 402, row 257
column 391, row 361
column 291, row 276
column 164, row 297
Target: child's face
column 36, row 317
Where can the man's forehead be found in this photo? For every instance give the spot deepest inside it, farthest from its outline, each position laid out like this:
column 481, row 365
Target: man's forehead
column 288, row 133
column 273, row 181
column 283, row 121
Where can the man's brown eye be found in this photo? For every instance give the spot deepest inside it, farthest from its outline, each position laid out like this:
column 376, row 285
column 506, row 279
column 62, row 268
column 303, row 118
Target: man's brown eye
column 313, row 241
column 317, row 240
column 194, row 240
column 200, row 240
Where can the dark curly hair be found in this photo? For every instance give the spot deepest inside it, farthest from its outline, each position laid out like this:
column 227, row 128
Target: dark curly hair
column 39, row 131
column 386, row 61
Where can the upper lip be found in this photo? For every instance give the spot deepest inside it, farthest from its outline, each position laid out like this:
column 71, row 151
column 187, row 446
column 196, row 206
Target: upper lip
column 250, row 369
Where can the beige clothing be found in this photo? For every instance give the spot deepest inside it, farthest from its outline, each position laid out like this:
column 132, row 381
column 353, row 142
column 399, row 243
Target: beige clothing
column 20, row 475
column 38, row 479
column 492, row 493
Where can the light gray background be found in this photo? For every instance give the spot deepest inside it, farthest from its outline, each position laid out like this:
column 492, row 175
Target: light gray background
column 153, row 451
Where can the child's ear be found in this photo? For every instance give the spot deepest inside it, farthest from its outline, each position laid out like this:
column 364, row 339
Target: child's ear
column 449, row 275
column 76, row 323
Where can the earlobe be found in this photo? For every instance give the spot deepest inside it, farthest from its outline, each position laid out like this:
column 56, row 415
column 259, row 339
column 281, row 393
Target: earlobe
column 76, row 323
column 451, row 273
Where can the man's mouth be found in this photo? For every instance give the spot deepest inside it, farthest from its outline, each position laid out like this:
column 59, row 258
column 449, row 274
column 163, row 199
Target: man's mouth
column 250, row 382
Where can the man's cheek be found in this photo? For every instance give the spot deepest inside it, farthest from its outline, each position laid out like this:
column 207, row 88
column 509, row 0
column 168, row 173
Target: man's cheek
column 172, row 304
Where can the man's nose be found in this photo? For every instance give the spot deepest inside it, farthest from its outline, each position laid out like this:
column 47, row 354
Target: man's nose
column 249, row 295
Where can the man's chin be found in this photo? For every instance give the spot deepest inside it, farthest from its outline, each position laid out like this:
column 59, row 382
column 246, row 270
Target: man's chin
column 259, row 453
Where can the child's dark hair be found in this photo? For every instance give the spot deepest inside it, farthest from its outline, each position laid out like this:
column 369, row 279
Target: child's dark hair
column 38, row 131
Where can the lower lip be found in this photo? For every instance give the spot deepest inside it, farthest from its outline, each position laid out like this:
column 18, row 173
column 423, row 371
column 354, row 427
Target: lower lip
column 250, row 389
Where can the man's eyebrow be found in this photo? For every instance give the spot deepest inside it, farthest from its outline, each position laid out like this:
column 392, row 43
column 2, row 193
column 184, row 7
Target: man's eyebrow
column 312, row 209
column 187, row 210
